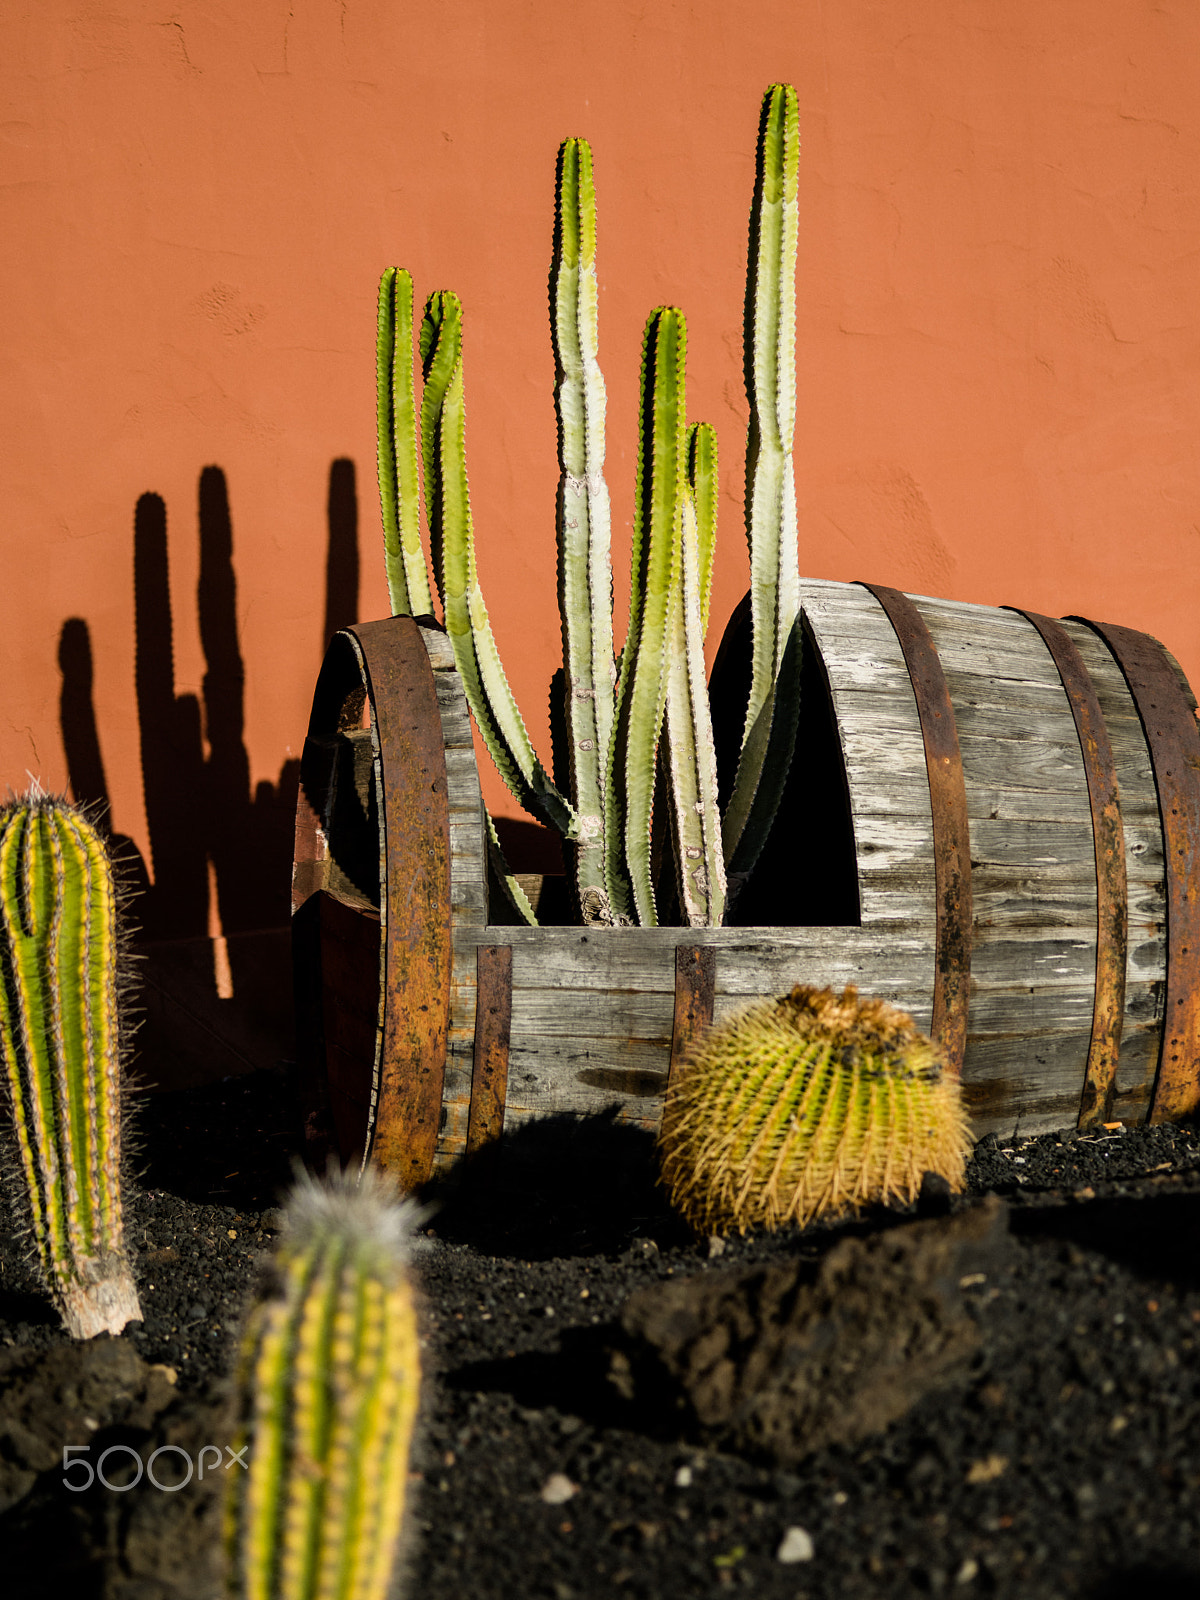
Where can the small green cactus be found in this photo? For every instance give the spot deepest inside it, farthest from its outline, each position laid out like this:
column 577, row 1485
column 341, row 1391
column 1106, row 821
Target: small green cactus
column 61, row 1041
column 328, row 1386
column 809, row 1104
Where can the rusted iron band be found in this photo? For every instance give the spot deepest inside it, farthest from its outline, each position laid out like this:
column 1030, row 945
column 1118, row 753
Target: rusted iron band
column 414, row 868
column 695, row 990
column 493, row 1023
column 1169, row 722
column 1112, row 897
column 951, row 833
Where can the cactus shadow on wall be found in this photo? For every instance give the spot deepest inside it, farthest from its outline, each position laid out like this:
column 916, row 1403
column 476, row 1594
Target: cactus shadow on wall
column 209, row 830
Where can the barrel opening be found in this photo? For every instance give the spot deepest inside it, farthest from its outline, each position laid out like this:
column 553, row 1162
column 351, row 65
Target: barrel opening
column 337, row 774
column 807, row 874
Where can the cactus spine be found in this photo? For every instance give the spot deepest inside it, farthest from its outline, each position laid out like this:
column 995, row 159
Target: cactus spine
column 328, row 1387
column 773, row 710
column 809, row 1104
column 61, row 1041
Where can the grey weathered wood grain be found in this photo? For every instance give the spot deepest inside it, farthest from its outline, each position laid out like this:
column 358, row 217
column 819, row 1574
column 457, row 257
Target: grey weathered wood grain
column 593, row 1009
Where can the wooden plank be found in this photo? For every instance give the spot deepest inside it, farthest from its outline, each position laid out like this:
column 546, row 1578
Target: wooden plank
column 1025, row 1012
column 1005, row 1076
column 752, row 961
column 1013, row 962
column 1035, row 844
column 438, row 647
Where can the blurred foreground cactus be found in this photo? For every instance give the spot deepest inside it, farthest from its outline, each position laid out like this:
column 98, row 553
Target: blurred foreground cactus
column 813, row 1103
column 60, row 1032
column 328, row 1386
column 645, row 725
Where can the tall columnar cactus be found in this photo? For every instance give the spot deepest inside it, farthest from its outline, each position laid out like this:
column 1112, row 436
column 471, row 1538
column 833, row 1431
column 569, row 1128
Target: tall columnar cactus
column 328, row 1385
column 664, row 648
column 809, row 1104
column 773, row 710
column 690, row 750
column 584, row 518
column 61, row 1037
column 448, row 502
column 615, row 723
column 399, row 471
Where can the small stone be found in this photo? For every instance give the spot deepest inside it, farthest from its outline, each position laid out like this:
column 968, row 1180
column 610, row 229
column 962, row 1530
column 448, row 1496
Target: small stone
column 558, row 1489
column 272, row 1220
column 987, row 1470
column 231, row 1233
column 683, row 1478
column 796, row 1545
column 716, row 1247
column 968, row 1572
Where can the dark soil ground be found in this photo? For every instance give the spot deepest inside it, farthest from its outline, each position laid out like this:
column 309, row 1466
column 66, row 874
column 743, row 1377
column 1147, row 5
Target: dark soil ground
column 1062, row 1459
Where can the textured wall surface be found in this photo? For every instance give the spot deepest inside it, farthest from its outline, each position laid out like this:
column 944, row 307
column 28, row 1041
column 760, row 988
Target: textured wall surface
column 998, row 338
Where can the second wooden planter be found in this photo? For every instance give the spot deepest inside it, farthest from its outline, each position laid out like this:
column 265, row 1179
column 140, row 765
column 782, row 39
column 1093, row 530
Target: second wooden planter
column 1009, row 807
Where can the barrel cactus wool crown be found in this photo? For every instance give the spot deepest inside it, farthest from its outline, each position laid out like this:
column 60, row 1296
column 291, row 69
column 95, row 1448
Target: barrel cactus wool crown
column 328, row 1388
column 61, row 1041
column 813, row 1103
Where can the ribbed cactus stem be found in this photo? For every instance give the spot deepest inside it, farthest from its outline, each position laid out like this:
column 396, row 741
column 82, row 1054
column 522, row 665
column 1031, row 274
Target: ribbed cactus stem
column 399, row 472
column 328, row 1386
column 448, row 503
column 691, row 753
column 61, row 1043
column 772, row 713
column 816, row 1102
column 642, row 686
column 584, row 519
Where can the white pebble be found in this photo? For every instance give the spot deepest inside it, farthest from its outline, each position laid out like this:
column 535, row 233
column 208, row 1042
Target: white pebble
column 683, row 1478
column 968, row 1572
column 558, row 1489
column 797, row 1545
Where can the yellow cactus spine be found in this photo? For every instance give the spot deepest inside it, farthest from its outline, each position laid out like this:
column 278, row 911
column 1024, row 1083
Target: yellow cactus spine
column 61, row 1044
column 328, row 1388
column 809, row 1104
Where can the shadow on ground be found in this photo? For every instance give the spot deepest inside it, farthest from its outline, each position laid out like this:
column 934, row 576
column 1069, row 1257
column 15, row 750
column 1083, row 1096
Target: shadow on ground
column 558, row 1186
column 1156, row 1237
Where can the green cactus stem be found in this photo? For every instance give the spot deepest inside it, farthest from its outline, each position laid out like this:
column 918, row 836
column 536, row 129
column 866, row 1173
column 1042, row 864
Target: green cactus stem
column 399, row 473
column 61, row 1038
column 810, row 1104
column 690, row 750
column 327, row 1389
column 642, row 685
column 773, row 710
column 448, row 504
column 584, row 518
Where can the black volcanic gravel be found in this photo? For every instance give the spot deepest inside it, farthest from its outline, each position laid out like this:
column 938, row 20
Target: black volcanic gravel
column 1066, row 1464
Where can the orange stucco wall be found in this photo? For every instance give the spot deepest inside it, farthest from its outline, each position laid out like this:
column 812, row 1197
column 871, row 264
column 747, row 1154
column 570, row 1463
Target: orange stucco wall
column 998, row 330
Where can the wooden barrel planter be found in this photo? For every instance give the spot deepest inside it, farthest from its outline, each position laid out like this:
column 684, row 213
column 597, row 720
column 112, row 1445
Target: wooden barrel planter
column 992, row 821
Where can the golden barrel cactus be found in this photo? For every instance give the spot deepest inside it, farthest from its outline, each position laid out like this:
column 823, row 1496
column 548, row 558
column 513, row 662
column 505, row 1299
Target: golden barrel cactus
column 809, row 1104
